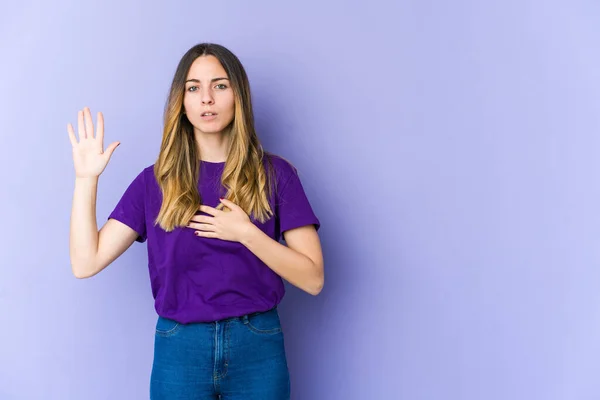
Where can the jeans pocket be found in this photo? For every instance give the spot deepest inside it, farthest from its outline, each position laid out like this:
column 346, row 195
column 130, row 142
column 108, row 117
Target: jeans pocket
column 266, row 323
column 167, row 327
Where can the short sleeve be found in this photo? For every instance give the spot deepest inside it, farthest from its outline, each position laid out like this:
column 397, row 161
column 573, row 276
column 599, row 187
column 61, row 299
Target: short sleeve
column 130, row 209
column 294, row 209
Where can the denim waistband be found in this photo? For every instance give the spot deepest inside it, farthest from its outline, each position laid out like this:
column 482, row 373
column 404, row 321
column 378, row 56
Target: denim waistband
column 245, row 317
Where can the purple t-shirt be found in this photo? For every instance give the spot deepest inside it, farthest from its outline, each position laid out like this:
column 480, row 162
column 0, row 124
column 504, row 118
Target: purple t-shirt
column 197, row 279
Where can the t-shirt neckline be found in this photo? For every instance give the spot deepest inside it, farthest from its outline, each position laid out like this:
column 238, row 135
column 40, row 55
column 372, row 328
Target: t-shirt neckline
column 212, row 163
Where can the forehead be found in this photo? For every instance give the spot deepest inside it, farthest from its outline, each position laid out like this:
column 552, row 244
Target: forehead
column 205, row 68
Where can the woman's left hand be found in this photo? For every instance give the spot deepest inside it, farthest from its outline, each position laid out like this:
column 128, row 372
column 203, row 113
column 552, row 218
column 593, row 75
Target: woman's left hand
column 232, row 225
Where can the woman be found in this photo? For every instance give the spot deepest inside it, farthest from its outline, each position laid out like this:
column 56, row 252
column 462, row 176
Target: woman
column 212, row 209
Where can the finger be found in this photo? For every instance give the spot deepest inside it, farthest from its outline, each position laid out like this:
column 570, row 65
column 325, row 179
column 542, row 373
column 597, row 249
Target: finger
column 72, row 137
column 100, row 129
column 81, row 126
column 230, row 204
column 202, row 218
column 209, row 210
column 206, row 234
column 111, row 148
column 201, row 227
column 89, row 124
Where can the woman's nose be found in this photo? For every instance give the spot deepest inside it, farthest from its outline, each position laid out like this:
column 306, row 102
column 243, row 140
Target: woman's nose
column 207, row 98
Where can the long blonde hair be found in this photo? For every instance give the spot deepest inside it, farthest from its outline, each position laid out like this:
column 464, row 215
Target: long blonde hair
column 177, row 167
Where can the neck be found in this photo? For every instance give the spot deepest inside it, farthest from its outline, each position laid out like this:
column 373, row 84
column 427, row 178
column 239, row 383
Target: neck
column 212, row 147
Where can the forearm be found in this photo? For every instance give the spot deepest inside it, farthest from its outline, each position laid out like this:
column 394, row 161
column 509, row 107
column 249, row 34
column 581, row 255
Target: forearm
column 83, row 239
column 291, row 265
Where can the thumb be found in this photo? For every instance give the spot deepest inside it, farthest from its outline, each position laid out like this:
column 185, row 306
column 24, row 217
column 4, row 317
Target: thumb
column 111, row 148
column 229, row 204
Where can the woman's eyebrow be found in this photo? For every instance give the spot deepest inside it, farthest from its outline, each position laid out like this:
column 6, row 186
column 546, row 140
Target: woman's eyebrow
column 212, row 80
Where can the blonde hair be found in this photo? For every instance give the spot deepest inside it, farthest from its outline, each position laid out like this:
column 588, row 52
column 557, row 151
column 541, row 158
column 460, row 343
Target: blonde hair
column 177, row 168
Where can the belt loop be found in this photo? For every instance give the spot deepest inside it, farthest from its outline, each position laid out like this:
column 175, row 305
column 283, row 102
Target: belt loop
column 245, row 319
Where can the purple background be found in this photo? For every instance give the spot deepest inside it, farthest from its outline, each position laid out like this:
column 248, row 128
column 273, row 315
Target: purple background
column 450, row 150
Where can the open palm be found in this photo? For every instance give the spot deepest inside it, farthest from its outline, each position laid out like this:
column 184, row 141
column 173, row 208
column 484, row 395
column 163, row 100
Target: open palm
column 89, row 156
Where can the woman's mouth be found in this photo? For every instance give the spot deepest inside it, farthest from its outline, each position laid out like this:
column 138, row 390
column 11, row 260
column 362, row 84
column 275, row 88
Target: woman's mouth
column 207, row 116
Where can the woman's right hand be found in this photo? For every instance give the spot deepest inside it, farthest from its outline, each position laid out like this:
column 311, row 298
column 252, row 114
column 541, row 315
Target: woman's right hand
column 89, row 156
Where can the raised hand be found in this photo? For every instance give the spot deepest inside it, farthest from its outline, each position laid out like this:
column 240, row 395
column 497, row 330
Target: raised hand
column 89, row 157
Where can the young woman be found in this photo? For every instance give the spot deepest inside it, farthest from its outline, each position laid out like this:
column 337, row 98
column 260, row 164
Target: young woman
column 212, row 209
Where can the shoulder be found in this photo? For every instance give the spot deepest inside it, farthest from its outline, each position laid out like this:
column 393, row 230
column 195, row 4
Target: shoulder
column 143, row 177
column 146, row 172
column 283, row 168
column 149, row 170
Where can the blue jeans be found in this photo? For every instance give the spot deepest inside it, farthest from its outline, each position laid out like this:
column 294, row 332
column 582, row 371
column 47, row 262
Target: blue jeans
column 234, row 358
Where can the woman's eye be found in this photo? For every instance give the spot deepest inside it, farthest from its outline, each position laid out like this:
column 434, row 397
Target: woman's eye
column 191, row 87
column 222, row 84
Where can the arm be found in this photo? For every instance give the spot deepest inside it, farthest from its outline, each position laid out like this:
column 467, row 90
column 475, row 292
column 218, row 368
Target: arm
column 300, row 262
column 92, row 251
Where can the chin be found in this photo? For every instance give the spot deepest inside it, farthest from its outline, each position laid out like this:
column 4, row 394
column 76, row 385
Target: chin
column 211, row 130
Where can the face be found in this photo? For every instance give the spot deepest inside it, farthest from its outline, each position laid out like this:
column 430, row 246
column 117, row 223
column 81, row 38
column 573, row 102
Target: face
column 207, row 89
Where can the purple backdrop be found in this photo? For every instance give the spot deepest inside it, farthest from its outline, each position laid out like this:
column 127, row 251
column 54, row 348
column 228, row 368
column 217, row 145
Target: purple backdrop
column 449, row 149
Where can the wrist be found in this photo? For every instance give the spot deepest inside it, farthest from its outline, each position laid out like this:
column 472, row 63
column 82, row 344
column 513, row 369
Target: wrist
column 91, row 180
column 250, row 234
